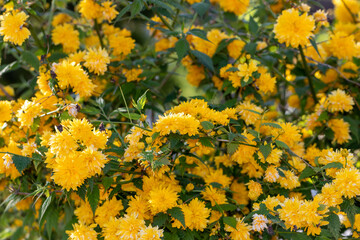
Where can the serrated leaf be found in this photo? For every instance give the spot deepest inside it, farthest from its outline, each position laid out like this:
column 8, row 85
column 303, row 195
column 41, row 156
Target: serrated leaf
column 265, row 150
column 198, row 33
column 31, row 59
column 44, row 208
column 182, row 48
column 323, row 116
column 206, row 141
column 232, row 147
column 231, row 221
column 20, row 162
column 281, row 144
column 178, row 214
column 225, row 207
column 136, row 7
column 201, row 8
column 207, row 125
column 160, row 219
column 107, row 181
column 204, row 59
column 334, row 225
column 93, row 197
column 307, row 172
column 350, row 209
column 253, row 26
column 274, row 125
column 333, row 165
column 122, row 13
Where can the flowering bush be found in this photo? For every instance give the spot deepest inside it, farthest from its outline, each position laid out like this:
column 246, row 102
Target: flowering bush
column 179, row 119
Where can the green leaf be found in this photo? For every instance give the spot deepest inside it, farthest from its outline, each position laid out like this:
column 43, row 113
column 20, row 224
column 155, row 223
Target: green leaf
column 281, row 144
column 265, row 150
column 323, row 116
column 307, row 172
column 122, row 13
column 20, row 162
column 313, row 43
column 207, row 125
column 333, row 165
column 206, row 141
column 93, row 197
column 51, row 220
column 141, row 101
column 136, row 7
column 133, row 116
column 204, row 59
column 198, row 33
column 201, row 8
column 231, row 221
column 274, row 125
column 225, row 207
column 44, row 208
column 182, row 48
column 31, row 59
column 350, row 209
column 334, row 225
column 160, row 219
column 178, row 214
column 232, row 147
column 107, row 181
column 253, row 26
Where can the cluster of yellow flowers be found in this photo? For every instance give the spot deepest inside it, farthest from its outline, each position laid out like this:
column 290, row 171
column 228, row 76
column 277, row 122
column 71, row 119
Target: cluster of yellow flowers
column 268, row 151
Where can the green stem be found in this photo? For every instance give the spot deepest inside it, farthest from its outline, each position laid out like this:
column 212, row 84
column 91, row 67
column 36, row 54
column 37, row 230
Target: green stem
column 35, row 37
column 97, row 29
column 127, row 109
column 307, row 72
column 165, row 22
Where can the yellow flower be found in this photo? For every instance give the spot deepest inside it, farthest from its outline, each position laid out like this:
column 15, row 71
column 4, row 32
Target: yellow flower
column 171, row 123
column 108, row 210
column 294, row 29
column 235, row 6
column 43, row 83
column 259, row 222
column 347, row 182
column 290, row 181
column 89, row 9
column 246, row 110
column 28, row 111
column 71, row 74
column 339, row 101
column 341, row 130
column 329, row 196
column 67, row 36
column 240, row 193
column 214, row 195
column 130, row 226
column 265, row 82
column 97, row 60
column 255, row 190
column 82, row 232
column 246, row 71
column 60, row 18
column 342, row 8
column 166, row 195
column 151, row 233
column 218, row 177
column 271, row 174
column 321, row 16
column 5, row 111
column 242, row 231
column 94, row 160
column 133, row 74
column 342, row 45
column 291, row 213
column 70, row 173
column 13, row 27
column 109, row 12
column 84, row 213
column 140, row 206
column 121, row 45
column 62, row 143
column 235, row 48
column 196, row 215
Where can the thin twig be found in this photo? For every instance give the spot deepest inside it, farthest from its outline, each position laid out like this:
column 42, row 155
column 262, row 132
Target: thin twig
column 5, row 92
